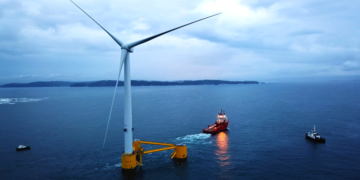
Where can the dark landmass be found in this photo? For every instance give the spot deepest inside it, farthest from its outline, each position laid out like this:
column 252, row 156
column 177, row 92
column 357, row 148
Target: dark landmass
column 39, row 84
column 105, row 83
column 160, row 83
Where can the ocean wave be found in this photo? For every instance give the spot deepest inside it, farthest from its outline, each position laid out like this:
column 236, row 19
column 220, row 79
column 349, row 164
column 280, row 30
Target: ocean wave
column 200, row 138
column 18, row 100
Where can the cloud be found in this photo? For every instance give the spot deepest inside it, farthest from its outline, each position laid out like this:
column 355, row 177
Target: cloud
column 351, row 66
column 250, row 40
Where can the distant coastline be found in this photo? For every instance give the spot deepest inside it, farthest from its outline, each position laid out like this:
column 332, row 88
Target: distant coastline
column 107, row 83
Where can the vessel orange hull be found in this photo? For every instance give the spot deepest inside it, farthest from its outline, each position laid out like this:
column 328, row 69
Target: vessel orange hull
column 215, row 128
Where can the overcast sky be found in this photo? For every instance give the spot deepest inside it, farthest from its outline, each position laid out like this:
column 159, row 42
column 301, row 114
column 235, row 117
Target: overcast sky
column 251, row 40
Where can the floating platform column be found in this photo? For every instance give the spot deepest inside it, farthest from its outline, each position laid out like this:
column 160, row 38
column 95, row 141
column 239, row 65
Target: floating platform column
column 128, row 161
column 180, row 152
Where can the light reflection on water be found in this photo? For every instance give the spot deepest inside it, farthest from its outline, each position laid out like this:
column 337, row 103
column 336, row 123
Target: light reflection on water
column 222, row 151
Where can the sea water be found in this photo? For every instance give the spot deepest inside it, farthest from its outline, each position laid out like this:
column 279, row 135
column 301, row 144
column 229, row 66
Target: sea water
column 65, row 128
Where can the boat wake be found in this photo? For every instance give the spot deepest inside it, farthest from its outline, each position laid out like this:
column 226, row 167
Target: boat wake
column 200, row 138
column 18, row 100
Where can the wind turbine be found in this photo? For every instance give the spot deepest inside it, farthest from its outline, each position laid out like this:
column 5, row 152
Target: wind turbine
column 125, row 59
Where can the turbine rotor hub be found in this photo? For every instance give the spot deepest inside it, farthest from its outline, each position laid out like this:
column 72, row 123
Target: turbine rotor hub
column 130, row 50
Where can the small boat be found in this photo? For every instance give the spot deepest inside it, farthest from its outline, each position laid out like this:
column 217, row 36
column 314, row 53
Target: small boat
column 312, row 135
column 220, row 124
column 22, row 147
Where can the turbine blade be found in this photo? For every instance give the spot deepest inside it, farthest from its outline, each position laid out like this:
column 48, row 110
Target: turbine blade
column 113, row 37
column 133, row 44
column 124, row 54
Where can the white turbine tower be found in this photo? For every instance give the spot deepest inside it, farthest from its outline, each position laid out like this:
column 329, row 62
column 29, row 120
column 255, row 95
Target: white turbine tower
column 125, row 59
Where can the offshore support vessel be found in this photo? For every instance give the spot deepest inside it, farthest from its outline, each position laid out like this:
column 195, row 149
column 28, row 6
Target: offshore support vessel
column 220, row 124
column 312, row 135
column 22, row 147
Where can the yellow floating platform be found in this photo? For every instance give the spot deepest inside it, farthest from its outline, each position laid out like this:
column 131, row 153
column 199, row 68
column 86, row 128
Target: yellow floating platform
column 128, row 161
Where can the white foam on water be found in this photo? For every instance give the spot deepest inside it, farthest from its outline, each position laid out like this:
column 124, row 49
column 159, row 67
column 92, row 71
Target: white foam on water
column 200, row 138
column 117, row 165
column 111, row 167
column 19, row 100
